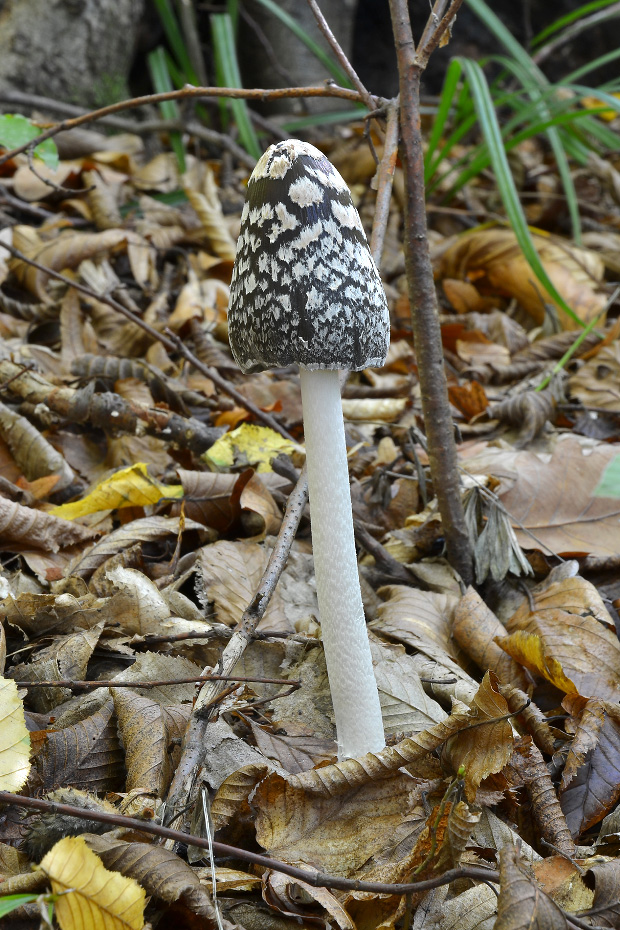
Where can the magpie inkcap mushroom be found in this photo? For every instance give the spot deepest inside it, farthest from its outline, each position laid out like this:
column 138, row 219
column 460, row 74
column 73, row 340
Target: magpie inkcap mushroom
column 305, row 290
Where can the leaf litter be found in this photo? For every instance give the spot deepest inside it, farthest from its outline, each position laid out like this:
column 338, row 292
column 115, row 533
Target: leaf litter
column 139, row 504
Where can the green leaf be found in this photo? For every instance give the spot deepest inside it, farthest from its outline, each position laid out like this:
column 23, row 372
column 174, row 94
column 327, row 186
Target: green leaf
column 487, row 118
column 11, row 902
column 609, row 485
column 175, row 39
column 16, row 130
column 569, row 18
column 162, row 82
column 228, row 75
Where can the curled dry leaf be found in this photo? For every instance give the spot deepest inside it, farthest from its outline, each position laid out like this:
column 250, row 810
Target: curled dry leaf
column 475, row 629
column 494, row 260
column 232, row 796
column 33, row 528
column 34, row 455
column 88, row 892
column 161, row 873
column 66, row 251
column 590, row 784
column 528, row 411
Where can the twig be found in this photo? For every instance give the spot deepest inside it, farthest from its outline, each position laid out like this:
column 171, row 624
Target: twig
column 91, row 685
column 188, row 93
column 170, row 341
column 423, row 299
column 343, row 60
column 316, row 879
column 384, row 186
column 437, row 24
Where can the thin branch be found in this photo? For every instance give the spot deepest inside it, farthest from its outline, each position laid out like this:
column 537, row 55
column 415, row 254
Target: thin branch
column 92, row 685
column 423, row 300
column 170, row 342
column 385, row 182
column 341, row 55
column 438, row 23
column 136, row 127
column 316, row 879
column 188, row 92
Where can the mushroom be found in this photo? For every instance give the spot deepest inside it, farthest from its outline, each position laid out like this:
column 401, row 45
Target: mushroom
column 305, row 291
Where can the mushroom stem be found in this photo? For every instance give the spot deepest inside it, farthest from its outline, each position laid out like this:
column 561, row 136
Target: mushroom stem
column 359, row 726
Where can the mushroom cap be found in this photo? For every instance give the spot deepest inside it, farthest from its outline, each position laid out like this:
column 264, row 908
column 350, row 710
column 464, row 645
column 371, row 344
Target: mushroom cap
column 305, row 289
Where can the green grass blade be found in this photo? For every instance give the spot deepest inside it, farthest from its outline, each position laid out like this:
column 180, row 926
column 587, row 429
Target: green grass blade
column 10, row 902
column 568, row 19
column 599, row 62
column 326, row 60
column 227, row 69
column 162, row 82
column 446, row 102
column 505, row 182
column 557, row 368
column 176, row 40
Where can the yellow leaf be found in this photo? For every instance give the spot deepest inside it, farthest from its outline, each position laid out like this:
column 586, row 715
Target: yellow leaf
column 91, row 897
column 249, row 445
column 14, row 738
column 529, row 651
column 129, row 487
column 594, row 103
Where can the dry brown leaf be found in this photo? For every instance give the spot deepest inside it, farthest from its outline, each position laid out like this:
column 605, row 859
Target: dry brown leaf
column 339, row 833
column 590, row 784
column 485, row 747
column 145, row 741
column 163, row 875
column 475, row 629
column 231, row 799
column 571, row 621
column 231, row 572
column 597, row 382
column 66, row 251
column 521, row 903
column 87, row 755
column 553, row 499
column 493, row 259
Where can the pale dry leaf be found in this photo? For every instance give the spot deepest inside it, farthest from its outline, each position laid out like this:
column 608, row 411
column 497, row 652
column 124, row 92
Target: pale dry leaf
column 231, row 572
column 35, row 529
column 145, row 741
